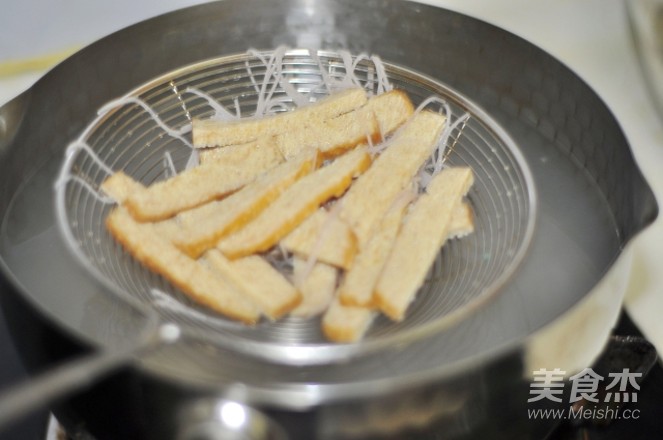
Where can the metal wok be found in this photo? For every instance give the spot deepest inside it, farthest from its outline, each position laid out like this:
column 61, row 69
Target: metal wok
column 469, row 380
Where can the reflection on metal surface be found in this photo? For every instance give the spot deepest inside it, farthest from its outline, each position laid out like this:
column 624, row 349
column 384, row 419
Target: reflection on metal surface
column 233, row 415
column 393, row 416
column 218, row 419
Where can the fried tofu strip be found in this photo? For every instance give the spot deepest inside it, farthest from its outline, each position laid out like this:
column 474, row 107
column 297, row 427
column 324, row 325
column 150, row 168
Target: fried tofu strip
column 391, row 109
column 462, row 221
column 203, row 227
column 332, row 241
column 346, row 323
column 255, row 277
column 189, row 189
column 262, row 154
column 380, row 116
column 317, row 285
column 295, row 205
column 146, row 245
column 356, row 288
column 119, row 186
column 325, row 237
column 338, row 249
column 331, row 137
column 213, row 133
column 422, row 234
column 370, row 196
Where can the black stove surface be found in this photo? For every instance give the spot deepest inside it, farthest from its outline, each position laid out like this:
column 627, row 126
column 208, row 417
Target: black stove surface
column 649, row 407
column 648, row 425
column 12, row 371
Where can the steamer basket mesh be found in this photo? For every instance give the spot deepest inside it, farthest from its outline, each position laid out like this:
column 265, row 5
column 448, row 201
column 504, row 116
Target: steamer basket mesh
column 127, row 137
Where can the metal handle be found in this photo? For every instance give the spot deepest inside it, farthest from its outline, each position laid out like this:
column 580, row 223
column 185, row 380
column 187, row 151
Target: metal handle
column 25, row 398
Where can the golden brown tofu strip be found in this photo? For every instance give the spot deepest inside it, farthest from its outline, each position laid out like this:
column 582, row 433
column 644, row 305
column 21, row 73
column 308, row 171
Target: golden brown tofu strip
column 189, row 189
column 192, row 278
column 255, row 277
column 213, row 133
column 331, row 241
column 391, row 109
column 462, row 221
column 293, row 206
column 422, row 234
column 379, row 117
column 119, row 186
column 317, row 284
column 331, row 137
column 324, row 237
column 203, row 227
column 262, row 154
column 346, row 323
column 338, row 249
column 357, row 285
column 371, row 195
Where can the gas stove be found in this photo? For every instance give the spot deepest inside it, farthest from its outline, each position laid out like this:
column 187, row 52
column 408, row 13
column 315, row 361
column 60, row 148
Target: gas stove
column 633, row 420
column 627, row 347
